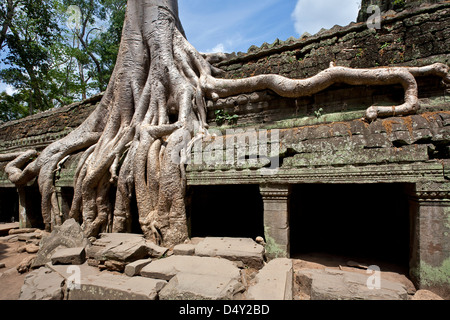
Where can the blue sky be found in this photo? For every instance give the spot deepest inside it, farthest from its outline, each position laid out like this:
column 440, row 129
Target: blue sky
column 235, row 25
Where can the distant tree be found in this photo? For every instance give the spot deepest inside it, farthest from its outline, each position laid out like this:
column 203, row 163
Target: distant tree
column 107, row 44
column 12, row 106
column 51, row 62
column 29, row 30
column 94, row 39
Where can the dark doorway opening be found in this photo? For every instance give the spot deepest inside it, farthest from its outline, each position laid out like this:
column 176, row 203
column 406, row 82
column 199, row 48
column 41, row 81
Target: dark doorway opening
column 66, row 202
column 9, row 205
column 133, row 226
column 226, row 211
column 367, row 223
column 33, row 206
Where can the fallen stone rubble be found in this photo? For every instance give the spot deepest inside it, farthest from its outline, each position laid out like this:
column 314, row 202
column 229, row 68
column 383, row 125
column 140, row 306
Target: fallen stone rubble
column 128, row 267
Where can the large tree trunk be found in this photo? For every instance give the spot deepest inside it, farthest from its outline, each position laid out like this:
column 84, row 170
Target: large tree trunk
column 129, row 141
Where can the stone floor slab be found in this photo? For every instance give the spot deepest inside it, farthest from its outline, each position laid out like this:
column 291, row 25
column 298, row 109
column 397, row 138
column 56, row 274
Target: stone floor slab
column 167, row 268
column 107, row 286
column 185, row 286
column 42, row 284
column 235, row 249
column 330, row 284
column 274, row 282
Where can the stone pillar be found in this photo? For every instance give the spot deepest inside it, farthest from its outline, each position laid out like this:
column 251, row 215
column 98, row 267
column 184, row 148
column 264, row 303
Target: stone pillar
column 58, row 218
column 276, row 219
column 63, row 197
column 430, row 236
column 24, row 221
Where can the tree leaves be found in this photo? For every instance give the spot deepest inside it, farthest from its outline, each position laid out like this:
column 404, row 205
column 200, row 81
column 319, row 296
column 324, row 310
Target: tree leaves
column 51, row 64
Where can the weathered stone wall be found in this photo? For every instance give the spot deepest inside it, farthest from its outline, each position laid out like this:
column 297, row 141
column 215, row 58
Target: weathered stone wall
column 41, row 129
column 391, row 5
column 411, row 37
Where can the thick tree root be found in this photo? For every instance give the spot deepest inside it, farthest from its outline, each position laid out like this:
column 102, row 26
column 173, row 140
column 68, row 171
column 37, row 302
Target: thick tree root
column 129, row 142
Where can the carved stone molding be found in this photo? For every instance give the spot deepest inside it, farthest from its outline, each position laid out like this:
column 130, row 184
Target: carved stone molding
column 275, row 192
column 432, row 196
column 431, row 192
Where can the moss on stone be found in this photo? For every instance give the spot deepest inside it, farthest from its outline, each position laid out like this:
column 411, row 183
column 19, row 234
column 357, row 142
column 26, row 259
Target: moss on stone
column 273, row 250
column 433, row 276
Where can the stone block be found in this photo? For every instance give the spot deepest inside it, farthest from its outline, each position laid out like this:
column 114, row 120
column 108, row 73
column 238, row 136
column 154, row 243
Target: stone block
column 42, row 284
column 185, row 249
column 9, row 238
column 68, row 235
column 234, row 249
column 330, row 284
column 21, row 231
column 74, row 256
column 31, row 248
column 186, row 286
column 113, row 265
column 107, row 286
column 273, row 282
column 377, row 140
column 134, row 268
column 166, row 269
column 27, row 236
column 122, row 247
column 67, row 271
column 155, row 251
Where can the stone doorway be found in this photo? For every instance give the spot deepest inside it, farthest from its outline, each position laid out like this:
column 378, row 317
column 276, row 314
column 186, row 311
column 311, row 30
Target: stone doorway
column 225, row 211
column 367, row 223
column 33, row 205
column 9, row 205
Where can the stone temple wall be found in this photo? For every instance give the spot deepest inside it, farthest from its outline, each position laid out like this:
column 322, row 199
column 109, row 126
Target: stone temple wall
column 317, row 140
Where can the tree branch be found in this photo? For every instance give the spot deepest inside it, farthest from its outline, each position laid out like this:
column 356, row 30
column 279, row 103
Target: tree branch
column 6, row 24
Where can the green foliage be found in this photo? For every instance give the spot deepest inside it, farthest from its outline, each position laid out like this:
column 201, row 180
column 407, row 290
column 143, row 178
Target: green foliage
column 31, row 32
column 48, row 63
column 318, row 113
column 223, row 117
column 433, row 275
column 12, row 106
column 398, row 4
column 385, row 45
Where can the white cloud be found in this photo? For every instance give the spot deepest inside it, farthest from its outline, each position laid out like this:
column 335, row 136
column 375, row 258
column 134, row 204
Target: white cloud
column 234, row 23
column 219, row 48
column 10, row 90
column 313, row 15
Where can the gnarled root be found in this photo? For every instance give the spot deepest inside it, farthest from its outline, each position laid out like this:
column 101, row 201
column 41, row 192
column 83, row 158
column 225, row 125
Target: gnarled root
column 305, row 87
